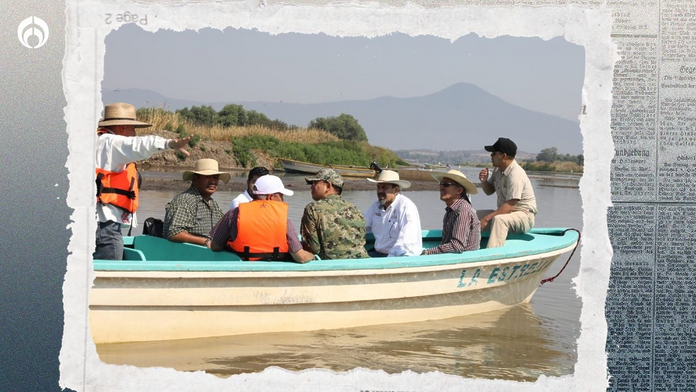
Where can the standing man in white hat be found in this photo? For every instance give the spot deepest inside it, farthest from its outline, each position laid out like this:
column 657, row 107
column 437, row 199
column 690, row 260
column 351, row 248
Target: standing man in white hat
column 191, row 215
column 393, row 219
column 260, row 229
column 118, row 180
column 461, row 230
column 516, row 202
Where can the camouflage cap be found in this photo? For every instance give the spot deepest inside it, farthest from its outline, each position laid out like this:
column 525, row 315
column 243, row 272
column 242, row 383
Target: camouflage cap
column 328, row 175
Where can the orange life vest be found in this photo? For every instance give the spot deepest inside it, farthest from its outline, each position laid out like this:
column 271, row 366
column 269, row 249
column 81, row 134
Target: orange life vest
column 261, row 231
column 119, row 188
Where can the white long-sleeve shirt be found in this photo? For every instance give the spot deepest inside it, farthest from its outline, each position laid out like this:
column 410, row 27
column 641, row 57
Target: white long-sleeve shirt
column 113, row 153
column 397, row 229
column 241, row 198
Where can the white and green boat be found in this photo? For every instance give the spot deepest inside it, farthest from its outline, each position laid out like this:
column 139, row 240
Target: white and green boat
column 164, row 290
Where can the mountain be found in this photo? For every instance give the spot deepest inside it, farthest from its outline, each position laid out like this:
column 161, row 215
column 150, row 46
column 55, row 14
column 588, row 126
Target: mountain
column 460, row 117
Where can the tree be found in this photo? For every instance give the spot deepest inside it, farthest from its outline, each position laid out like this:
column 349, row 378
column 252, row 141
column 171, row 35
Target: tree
column 232, row 115
column 205, row 115
column 344, row 127
column 256, row 118
column 580, row 160
column 548, row 155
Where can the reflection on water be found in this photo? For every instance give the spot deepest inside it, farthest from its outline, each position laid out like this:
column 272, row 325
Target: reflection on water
column 511, row 344
column 520, row 343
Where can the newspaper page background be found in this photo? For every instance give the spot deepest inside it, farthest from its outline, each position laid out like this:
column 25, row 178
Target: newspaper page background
column 650, row 301
column 649, row 122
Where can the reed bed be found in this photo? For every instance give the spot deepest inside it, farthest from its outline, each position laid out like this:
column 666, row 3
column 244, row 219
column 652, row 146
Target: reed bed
column 161, row 119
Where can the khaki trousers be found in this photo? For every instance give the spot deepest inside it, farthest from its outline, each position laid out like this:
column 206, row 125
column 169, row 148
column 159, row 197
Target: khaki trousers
column 500, row 225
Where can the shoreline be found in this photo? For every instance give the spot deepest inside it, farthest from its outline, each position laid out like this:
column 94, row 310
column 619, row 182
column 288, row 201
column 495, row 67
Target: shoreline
column 169, row 179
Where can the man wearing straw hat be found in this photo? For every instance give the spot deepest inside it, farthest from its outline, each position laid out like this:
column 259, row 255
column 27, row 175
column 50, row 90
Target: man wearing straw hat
column 118, row 180
column 516, row 202
column 260, row 229
column 191, row 215
column 393, row 219
column 331, row 227
column 461, row 230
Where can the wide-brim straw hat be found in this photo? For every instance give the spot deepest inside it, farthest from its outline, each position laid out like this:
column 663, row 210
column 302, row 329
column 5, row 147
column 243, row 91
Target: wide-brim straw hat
column 121, row 114
column 390, row 177
column 459, row 178
column 206, row 167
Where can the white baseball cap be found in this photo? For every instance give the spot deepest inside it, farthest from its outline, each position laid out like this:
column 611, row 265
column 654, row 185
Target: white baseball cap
column 269, row 184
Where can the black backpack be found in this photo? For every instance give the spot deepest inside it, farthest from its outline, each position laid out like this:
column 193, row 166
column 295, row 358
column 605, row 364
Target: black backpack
column 154, row 227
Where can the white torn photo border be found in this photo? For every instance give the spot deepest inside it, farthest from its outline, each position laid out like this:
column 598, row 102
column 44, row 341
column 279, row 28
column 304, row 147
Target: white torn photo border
column 80, row 367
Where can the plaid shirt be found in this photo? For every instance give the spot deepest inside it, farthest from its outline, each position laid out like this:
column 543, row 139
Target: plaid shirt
column 461, row 229
column 189, row 212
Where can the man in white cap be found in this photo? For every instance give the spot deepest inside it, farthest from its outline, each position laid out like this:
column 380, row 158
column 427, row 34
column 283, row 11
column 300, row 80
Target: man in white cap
column 260, row 229
column 461, row 230
column 118, row 181
column 393, row 219
column 191, row 215
column 516, row 202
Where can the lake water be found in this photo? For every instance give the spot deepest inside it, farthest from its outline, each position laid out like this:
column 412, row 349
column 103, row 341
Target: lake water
column 520, row 343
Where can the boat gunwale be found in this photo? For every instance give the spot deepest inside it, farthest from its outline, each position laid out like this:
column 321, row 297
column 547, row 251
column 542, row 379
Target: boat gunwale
column 562, row 244
column 225, row 274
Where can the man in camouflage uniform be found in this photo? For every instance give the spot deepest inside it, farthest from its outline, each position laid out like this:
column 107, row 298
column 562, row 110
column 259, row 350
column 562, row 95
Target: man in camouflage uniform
column 332, row 228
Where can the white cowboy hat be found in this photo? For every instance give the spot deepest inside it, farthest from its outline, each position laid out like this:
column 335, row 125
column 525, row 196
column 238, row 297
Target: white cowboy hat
column 206, row 167
column 459, row 178
column 390, row 177
column 269, row 184
column 121, row 114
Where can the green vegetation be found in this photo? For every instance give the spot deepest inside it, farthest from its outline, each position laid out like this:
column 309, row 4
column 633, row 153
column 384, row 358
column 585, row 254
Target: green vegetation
column 549, row 160
column 340, row 152
column 551, row 155
column 180, row 155
column 558, row 167
column 345, row 127
column 231, row 116
column 328, row 141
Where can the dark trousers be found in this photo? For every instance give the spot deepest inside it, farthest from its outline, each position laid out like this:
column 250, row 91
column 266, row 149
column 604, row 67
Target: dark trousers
column 109, row 241
column 373, row 253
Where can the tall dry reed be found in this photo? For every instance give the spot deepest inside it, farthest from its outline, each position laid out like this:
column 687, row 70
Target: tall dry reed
column 162, row 119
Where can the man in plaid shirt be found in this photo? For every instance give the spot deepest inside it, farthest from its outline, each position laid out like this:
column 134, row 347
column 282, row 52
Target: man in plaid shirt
column 461, row 229
column 192, row 214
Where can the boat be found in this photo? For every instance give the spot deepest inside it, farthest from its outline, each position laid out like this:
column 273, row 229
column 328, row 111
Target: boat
column 168, row 291
column 293, row 166
column 436, row 166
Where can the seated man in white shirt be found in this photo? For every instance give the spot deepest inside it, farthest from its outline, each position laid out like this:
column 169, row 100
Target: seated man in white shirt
column 393, row 219
column 247, row 195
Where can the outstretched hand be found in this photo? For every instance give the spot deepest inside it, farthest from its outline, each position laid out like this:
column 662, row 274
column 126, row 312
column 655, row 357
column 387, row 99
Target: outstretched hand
column 179, row 144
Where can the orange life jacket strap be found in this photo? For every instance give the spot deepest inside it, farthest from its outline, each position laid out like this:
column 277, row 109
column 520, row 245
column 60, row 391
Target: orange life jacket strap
column 102, row 189
column 276, row 255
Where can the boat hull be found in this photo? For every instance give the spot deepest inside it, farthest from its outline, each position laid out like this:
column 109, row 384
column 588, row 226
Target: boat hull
column 141, row 305
column 292, row 166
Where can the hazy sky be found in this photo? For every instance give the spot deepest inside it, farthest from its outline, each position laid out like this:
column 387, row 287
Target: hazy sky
column 244, row 65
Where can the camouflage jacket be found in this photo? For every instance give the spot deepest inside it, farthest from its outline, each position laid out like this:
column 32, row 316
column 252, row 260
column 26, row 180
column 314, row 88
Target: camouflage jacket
column 334, row 229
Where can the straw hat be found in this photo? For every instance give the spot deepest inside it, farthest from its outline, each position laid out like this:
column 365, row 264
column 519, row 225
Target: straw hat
column 206, row 167
column 459, row 178
column 121, row 114
column 390, row 177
